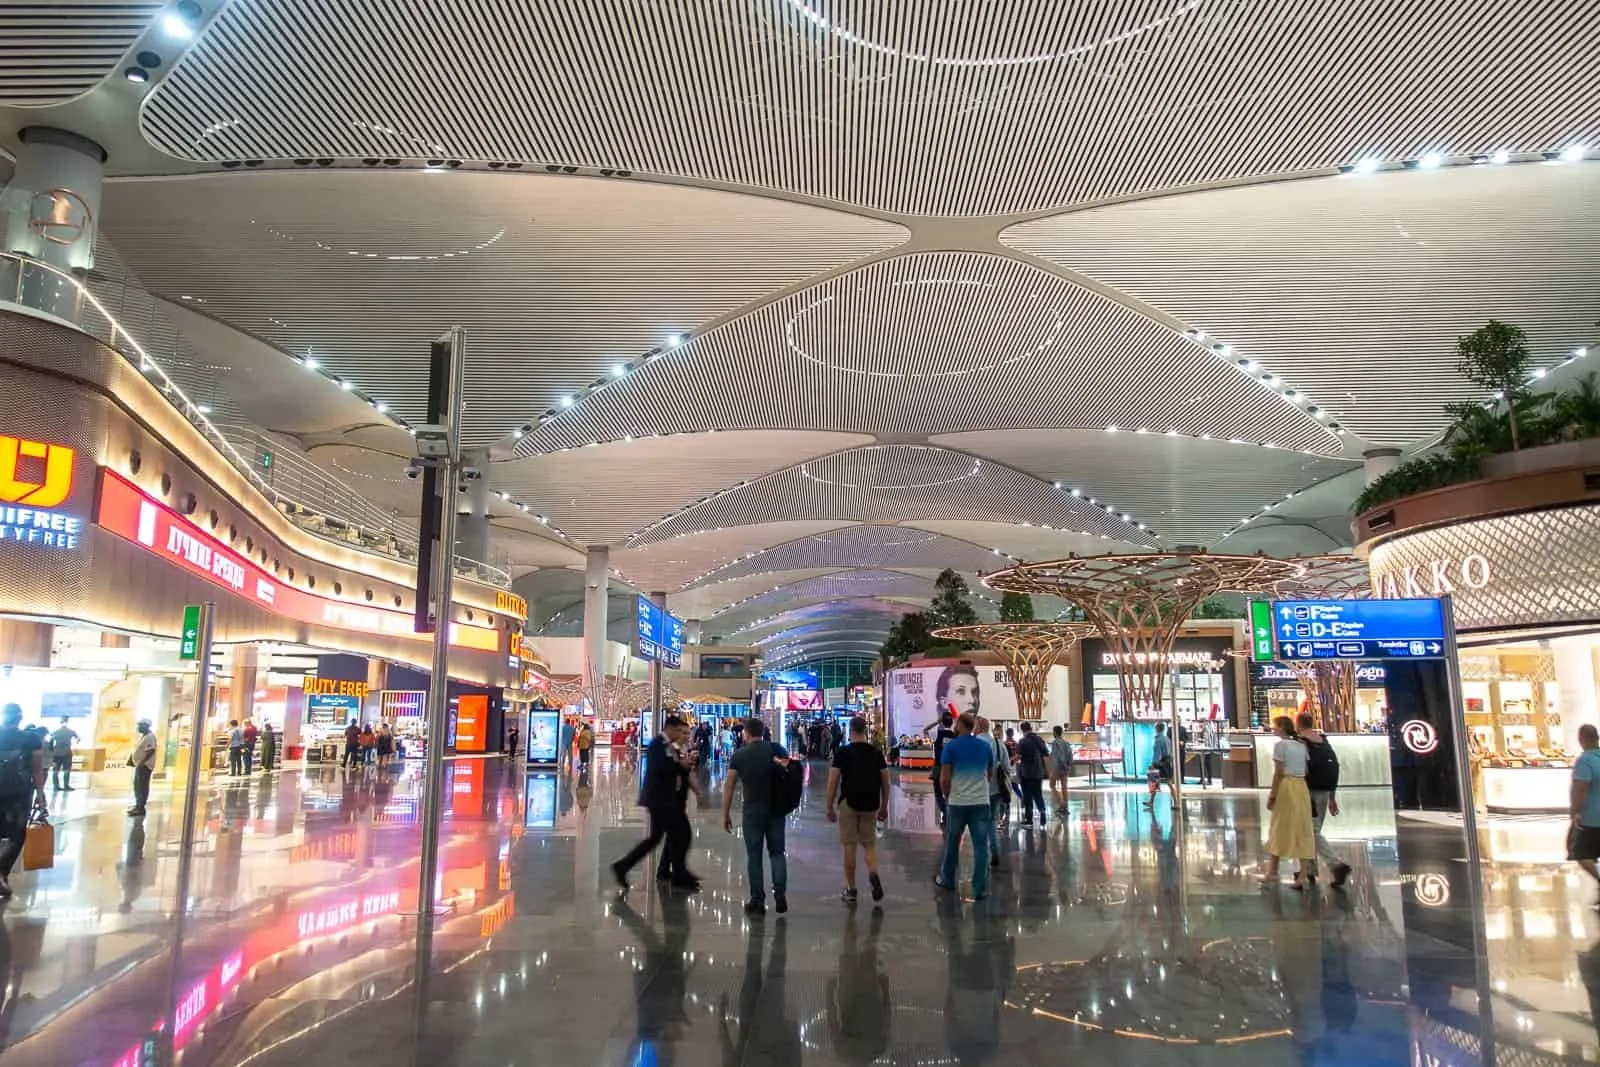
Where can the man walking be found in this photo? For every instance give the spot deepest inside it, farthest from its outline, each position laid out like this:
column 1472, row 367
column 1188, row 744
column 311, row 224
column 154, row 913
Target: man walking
column 860, row 778
column 663, row 776
column 251, row 736
column 753, row 768
column 1583, row 840
column 352, row 744
column 1032, row 754
column 965, row 773
column 61, row 743
column 21, row 788
column 1322, row 780
column 269, row 747
column 143, row 762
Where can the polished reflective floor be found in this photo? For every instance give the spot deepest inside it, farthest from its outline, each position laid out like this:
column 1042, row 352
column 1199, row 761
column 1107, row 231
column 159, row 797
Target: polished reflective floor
column 1110, row 935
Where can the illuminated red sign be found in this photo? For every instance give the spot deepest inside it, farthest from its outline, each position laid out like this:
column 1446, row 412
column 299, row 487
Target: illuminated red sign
column 472, row 722
column 128, row 512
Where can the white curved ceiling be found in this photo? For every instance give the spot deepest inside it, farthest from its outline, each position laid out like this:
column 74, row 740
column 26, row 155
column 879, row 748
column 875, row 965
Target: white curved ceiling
column 919, row 107
column 795, row 302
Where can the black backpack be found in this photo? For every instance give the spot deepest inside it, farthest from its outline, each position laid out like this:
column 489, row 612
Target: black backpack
column 16, row 773
column 788, row 786
column 1322, row 767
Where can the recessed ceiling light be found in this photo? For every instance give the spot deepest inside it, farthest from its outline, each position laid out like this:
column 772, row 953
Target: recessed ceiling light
column 1430, row 161
column 137, row 75
column 203, row 409
column 177, row 27
column 675, row 340
column 383, row 409
column 567, row 401
column 1574, row 152
column 346, row 386
column 311, row 363
column 1368, row 165
column 619, row 371
column 1111, row 429
column 1501, row 156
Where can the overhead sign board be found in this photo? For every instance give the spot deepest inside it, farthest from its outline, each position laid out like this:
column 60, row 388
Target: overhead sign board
column 189, row 642
column 1359, row 629
column 660, row 635
column 1261, row 649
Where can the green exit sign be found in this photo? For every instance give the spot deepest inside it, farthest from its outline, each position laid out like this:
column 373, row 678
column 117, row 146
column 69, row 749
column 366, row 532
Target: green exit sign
column 1261, row 648
column 266, row 461
column 189, row 643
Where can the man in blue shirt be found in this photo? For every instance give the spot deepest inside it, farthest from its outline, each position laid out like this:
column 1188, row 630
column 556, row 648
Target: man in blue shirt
column 965, row 768
column 1584, row 837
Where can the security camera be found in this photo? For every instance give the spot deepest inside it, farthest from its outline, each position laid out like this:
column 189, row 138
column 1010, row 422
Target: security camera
column 413, row 472
column 471, row 474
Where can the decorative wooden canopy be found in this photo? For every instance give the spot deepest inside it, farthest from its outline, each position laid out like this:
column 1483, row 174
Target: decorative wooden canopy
column 1029, row 649
column 1138, row 601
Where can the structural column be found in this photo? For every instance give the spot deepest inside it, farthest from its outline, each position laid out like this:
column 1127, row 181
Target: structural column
column 596, row 591
column 1380, row 461
column 472, row 518
column 53, row 211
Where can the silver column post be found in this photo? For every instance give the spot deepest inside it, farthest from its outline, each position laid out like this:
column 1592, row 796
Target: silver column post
column 191, row 800
column 438, row 707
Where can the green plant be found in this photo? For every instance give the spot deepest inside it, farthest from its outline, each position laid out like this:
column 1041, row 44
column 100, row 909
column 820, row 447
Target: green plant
column 1016, row 607
column 1496, row 357
column 1433, row 471
column 908, row 635
column 1220, row 607
column 950, row 605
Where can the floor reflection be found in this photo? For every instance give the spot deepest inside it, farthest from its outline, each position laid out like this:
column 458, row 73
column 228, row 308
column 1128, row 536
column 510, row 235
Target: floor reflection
column 1120, row 934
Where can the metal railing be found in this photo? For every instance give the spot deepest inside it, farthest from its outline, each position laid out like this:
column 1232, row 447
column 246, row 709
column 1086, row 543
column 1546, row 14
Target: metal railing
column 306, row 494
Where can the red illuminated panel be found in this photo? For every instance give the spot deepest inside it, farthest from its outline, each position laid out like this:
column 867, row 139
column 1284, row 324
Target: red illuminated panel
column 472, row 723
column 129, row 513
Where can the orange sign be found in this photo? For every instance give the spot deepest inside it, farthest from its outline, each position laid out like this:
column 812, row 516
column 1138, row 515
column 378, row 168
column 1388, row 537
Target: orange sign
column 34, row 473
column 337, row 687
column 511, row 604
column 472, row 722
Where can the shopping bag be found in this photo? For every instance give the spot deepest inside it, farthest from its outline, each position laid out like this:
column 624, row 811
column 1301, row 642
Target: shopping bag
column 39, row 847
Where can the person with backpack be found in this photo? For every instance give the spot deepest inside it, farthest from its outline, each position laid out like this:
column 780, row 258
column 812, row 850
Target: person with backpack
column 763, row 770
column 860, row 778
column 1032, row 755
column 1322, row 779
column 21, row 788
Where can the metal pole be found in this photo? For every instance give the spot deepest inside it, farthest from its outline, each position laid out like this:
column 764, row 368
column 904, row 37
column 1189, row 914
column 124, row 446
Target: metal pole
column 191, row 800
column 438, row 700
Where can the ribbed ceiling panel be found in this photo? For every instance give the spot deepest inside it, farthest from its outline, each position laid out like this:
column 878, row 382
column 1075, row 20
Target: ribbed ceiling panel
column 667, row 565
column 555, row 280
column 51, row 52
column 846, row 585
column 863, row 546
column 937, row 343
column 1192, row 491
column 705, row 601
column 916, row 106
column 888, row 483
column 1356, row 288
column 601, row 495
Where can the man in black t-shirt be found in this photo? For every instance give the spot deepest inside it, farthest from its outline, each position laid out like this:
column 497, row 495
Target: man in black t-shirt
column 943, row 730
column 860, row 778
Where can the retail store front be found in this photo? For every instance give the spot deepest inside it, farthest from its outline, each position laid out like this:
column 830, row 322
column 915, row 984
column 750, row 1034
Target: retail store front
column 1526, row 592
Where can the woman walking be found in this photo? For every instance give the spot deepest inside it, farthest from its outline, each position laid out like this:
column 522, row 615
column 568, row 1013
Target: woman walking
column 1290, row 835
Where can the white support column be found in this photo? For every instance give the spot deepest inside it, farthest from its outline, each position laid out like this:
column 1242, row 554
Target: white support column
column 1380, row 461
column 596, row 589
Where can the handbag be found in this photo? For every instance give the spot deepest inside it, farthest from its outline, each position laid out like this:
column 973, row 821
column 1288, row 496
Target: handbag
column 39, row 846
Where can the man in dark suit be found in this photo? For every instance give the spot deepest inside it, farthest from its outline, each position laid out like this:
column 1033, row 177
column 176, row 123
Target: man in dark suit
column 665, row 796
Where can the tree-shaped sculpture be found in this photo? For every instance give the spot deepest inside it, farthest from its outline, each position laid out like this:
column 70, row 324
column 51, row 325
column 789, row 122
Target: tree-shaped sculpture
column 1029, row 649
column 1137, row 603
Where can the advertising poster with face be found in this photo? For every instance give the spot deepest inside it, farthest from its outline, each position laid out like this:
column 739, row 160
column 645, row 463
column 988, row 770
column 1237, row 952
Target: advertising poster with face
column 918, row 694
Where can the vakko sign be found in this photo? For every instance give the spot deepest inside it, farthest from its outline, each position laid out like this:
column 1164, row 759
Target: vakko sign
column 130, row 513
column 1435, row 578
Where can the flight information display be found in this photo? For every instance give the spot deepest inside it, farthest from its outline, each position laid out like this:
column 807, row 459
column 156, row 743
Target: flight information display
column 660, row 635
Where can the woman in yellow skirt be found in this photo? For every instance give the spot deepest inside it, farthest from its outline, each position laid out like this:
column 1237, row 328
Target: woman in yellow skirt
column 1291, row 835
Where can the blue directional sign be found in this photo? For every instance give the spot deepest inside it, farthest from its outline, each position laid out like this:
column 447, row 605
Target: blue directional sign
column 1358, row 629
column 660, row 635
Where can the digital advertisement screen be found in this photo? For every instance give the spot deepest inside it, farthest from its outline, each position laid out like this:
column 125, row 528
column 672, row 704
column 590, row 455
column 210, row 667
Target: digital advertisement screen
column 332, row 710
column 55, row 706
column 544, row 737
column 539, row 802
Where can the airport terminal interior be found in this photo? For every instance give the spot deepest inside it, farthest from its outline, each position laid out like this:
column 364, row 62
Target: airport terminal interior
column 1137, row 464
